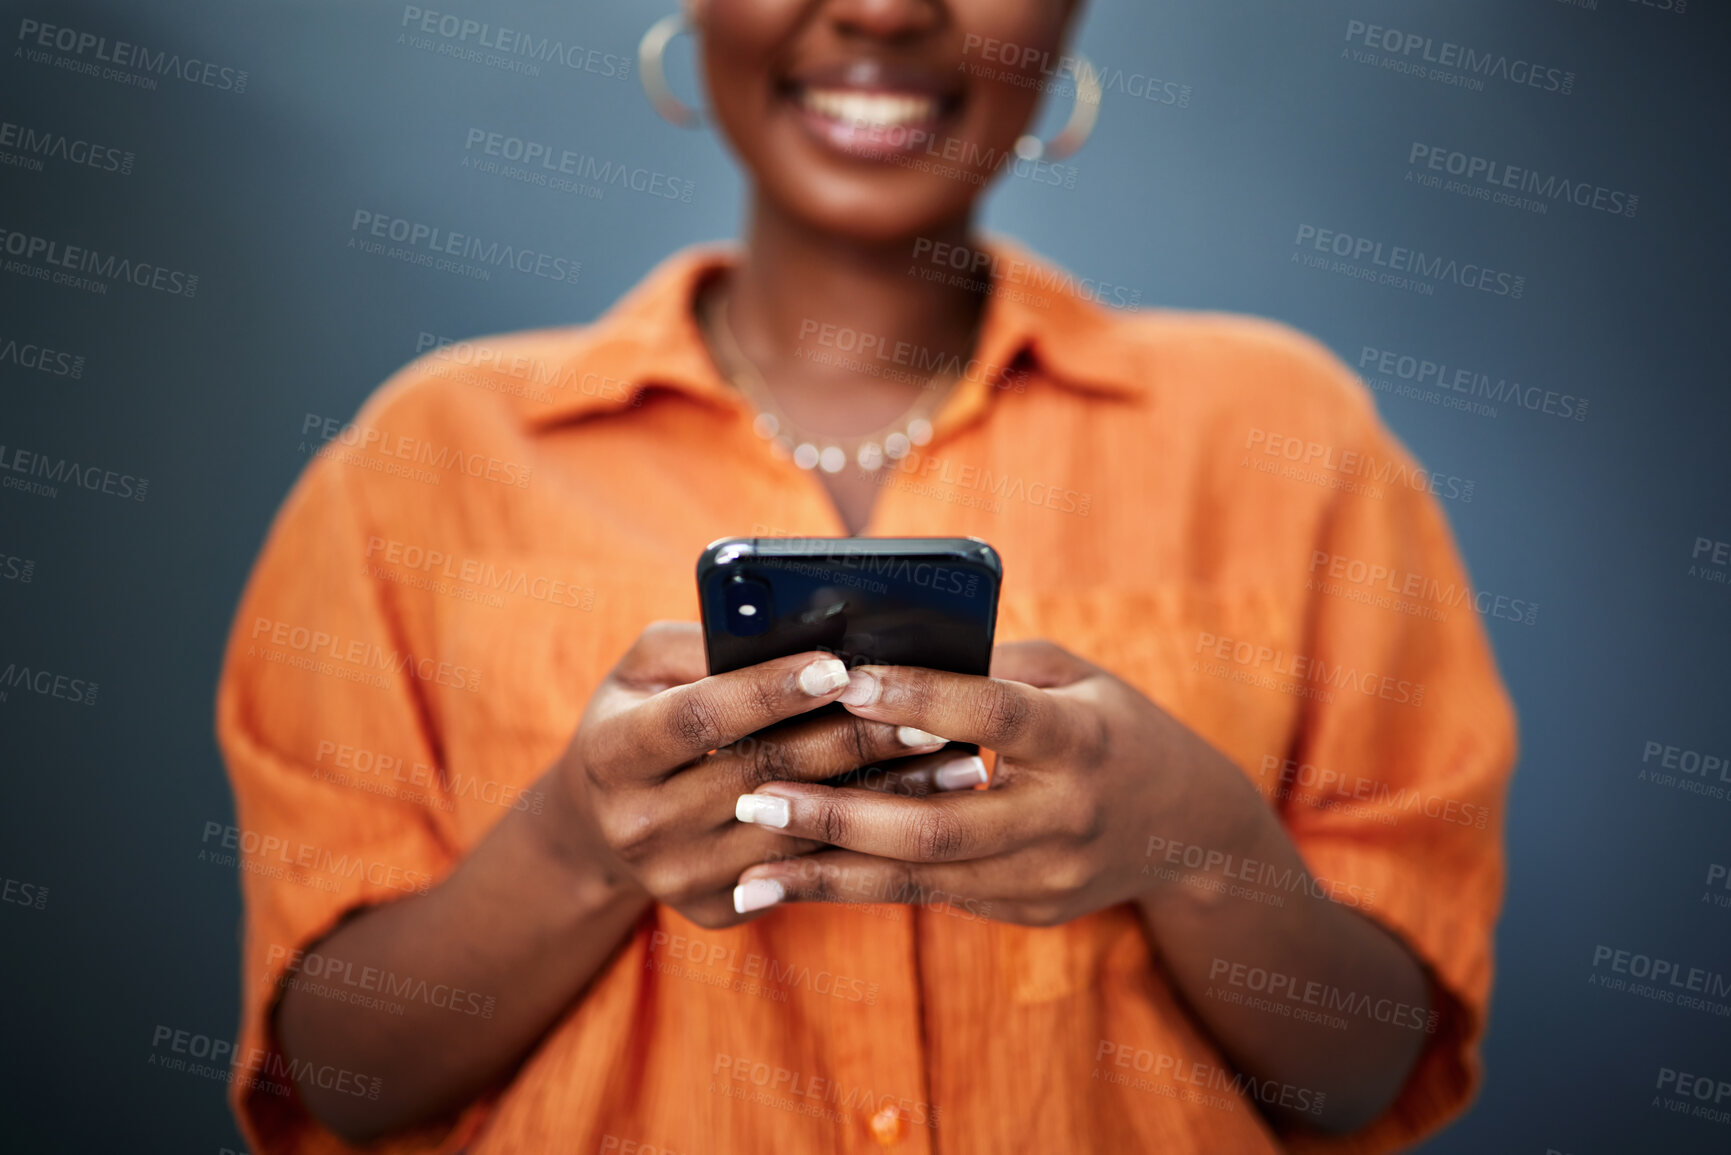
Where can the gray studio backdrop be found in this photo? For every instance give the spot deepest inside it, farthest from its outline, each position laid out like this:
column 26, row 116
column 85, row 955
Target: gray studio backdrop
column 1508, row 214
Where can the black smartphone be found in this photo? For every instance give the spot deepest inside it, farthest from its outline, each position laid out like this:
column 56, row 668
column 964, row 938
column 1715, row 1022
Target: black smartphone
column 903, row 601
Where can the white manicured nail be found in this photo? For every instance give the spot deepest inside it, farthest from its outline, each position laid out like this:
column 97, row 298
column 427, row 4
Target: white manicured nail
column 757, row 894
column 862, row 689
column 913, row 736
column 961, row 774
column 763, row 809
column 823, row 677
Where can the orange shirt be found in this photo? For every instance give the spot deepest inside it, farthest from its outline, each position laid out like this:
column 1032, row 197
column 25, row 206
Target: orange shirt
column 1206, row 505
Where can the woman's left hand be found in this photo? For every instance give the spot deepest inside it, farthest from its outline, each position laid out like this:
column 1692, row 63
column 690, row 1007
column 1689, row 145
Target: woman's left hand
column 1083, row 775
column 1089, row 771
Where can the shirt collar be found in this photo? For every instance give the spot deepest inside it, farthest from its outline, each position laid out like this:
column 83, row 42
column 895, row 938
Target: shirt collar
column 1038, row 316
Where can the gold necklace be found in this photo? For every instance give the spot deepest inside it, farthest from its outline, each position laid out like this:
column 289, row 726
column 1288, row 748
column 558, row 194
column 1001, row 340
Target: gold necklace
column 869, row 451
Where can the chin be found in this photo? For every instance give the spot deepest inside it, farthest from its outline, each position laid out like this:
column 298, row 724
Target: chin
column 868, row 211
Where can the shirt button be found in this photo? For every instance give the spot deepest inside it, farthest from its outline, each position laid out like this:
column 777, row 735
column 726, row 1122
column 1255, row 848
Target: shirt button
column 886, row 1126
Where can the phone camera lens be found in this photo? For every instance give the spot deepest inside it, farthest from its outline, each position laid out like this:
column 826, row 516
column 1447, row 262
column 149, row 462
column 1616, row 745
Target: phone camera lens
column 747, row 602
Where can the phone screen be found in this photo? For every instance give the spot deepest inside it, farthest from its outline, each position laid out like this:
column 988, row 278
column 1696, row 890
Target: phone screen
column 870, row 601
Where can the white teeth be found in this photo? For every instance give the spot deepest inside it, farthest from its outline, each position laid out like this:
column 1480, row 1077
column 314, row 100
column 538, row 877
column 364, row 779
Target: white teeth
column 872, row 109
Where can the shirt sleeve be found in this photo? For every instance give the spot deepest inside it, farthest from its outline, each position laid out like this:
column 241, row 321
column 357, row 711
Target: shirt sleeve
column 317, row 712
column 1394, row 790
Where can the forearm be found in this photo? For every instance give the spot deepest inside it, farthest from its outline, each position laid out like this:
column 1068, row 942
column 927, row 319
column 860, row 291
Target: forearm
column 1244, row 961
column 526, row 920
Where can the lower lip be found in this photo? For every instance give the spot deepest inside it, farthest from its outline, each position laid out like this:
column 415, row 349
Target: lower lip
column 869, row 141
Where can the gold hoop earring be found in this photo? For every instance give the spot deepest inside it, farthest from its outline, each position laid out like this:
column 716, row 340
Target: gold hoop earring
column 1083, row 113
column 654, row 77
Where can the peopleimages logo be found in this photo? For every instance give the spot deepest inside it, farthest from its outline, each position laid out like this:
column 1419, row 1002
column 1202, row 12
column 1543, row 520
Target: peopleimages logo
column 1203, row 1075
column 46, row 684
column 89, row 52
column 1299, row 670
column 784, row 1088
column 383, row 981
column 429, row 245
column 30, row 355
column 1399, row 266
column 1692, row 771
column 1711, row 560
column 1458, row 64
column 1291, row 989
column 1349, row 470
column 381, row 448
column 51, row 260
column 1330, row 789
column 26, row 147
column 549, row 166
column 1523, row 188
column 1708, row 1092
column 1674, row 7
column 493, row 368
column 1661, row 980
column 1266, row 876
column 1423, row 379
column 1396, row 588
column 993, row 273
column 356, row 652
column 508, row 48
column 403, row 557
column 58, row 471
column 1029, row 66
column 269, row 1070
column 21, row 893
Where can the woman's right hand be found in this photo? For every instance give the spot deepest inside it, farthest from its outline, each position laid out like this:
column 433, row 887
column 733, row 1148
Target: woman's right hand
column 640, row 808
column 664, row 753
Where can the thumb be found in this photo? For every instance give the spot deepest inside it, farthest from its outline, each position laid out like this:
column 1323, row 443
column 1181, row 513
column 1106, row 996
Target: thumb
column 1039, row 663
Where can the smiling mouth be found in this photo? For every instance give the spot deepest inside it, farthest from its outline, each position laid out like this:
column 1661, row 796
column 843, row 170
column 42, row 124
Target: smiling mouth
column 870, row 109
column 872, row 123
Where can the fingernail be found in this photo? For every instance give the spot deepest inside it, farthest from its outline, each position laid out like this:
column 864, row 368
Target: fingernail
column 822, row 677
column 757, row 894
column 763, row 809
column 913, row 736
column 862, row 689
column 960, row 774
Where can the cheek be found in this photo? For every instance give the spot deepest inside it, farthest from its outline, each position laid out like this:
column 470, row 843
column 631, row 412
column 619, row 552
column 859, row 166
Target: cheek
column 1026, row 38
column 736, row 67
column 1014, row 54
column 738, row 40
column 742, row 35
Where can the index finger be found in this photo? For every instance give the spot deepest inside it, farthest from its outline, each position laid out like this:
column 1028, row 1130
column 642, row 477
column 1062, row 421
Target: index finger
column 1016, row 720
column 679, row 724
column 665, row 654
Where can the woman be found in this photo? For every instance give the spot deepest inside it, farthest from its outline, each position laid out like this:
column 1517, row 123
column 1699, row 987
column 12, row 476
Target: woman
column 520, row 877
